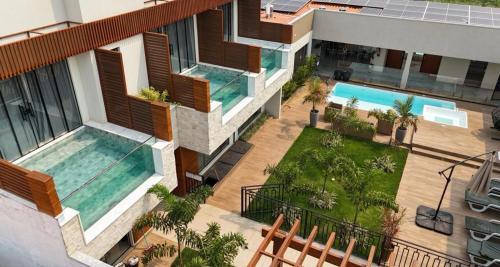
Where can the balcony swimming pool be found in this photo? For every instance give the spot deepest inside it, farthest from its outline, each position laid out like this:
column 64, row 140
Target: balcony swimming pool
column 226, row 86
column 271, row 61
column 436, row 110
column 93, row 170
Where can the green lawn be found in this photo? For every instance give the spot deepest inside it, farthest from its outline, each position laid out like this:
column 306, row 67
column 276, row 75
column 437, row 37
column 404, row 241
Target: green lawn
column 359, row 151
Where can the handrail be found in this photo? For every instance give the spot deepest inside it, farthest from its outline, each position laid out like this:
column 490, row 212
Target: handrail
column 405, row 252
column 34, row 30
column 103, row 171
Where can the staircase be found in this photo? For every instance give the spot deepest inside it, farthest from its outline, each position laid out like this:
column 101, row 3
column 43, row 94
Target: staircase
column 451, row 157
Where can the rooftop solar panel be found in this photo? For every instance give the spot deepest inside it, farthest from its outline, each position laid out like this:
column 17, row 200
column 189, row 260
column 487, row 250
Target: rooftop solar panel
column 438, row 5
column 398, row 2
column 458, row 7
column 395, row 7
column 480, row 9
column 496, row 16
column 480, row 15
column 496, row 23
column 461, row 13
column 417, row 3
column 357, row 2
column 291, row 6
column 483, row 22
column 434, row 17
column 457, row 19
column 436, row 10
column 392, row 13
column 371, row 10
column 376, row 3
column 413, row 15
column 340, row 2
column 415, row 8
column 495, row 10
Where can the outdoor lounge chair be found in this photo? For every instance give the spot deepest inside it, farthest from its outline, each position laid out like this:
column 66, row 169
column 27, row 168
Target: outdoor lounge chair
column 482, row 230
column 481, row 203
column 495, row 186
column 486, row 253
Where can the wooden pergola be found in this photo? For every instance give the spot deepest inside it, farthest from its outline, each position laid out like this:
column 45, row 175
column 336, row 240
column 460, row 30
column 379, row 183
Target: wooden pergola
column 282, row 241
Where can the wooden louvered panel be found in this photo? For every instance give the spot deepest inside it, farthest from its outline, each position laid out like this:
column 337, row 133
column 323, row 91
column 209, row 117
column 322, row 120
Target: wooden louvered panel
column 201, row 94
column 162, row 122
column 26, row 55
column 276, row 32
column 183, row 90
column 33, row 186
column 157, row 52
column 249, row 18
column 254, row 59
column 141, row 115
column 113, row 86
column 13, row 179
column 211, row 36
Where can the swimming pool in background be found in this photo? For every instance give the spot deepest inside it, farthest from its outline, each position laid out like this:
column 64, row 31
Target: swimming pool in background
column 440, row 111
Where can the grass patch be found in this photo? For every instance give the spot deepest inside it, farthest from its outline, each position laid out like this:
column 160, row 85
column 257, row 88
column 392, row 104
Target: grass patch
column 359, row 151
column 187, row 256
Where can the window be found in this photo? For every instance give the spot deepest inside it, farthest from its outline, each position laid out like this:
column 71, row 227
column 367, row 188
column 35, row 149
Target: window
column 35, row 108
column 227, row 10
column 181, row 42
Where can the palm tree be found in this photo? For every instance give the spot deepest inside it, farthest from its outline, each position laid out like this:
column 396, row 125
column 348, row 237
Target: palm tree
column 219, row 250
column 405, row 117
column 285, row 173
column 356, row 182
column 315, row 96
column 176, row 215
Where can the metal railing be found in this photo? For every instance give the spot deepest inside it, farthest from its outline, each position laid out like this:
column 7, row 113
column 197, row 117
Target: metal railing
column 35, row 31
column 263, row 203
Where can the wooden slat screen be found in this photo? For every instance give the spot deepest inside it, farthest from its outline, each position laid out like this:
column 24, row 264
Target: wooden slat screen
column 185, row 161
column 211, row 36
column 192, row 92
column 250, row 25
column 162, row 120
column 214, row 50
column 157, row 50
column 113, row 86
column 201, row 94
column 141, row 115
column 33, row 186
column 26, row 55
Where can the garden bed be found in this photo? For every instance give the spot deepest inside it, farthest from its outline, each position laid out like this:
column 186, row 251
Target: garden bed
column 358, row 150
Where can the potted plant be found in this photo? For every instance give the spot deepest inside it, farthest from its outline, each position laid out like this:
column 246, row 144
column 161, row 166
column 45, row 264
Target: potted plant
column 316, row 96
column 385, row 120
column 405, row 117
column 391, row 221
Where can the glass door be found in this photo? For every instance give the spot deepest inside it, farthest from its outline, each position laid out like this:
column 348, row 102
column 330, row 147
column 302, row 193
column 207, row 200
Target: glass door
column 35, row 108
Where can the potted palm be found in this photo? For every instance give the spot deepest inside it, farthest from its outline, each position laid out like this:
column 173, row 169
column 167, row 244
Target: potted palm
column 405, row 117
column 385, row 120
column 316, row 96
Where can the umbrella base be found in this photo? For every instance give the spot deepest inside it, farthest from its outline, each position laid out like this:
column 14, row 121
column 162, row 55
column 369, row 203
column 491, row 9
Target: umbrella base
column 443, row 223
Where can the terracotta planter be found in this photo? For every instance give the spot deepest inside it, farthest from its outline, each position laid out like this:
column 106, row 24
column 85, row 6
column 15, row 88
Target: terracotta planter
column 384, row 127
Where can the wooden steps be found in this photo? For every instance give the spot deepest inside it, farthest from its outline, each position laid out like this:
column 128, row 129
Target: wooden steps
column 449, row 156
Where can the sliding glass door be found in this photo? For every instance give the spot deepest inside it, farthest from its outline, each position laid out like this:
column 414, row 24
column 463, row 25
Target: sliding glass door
column 35, row 108
column 182, row 44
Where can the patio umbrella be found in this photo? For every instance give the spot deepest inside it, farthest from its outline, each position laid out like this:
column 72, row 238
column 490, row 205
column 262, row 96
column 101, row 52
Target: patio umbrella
column 480, row 181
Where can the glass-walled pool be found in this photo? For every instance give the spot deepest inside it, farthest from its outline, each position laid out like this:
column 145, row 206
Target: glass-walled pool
column 271, row 60
column 93, row 170
column 226, row 86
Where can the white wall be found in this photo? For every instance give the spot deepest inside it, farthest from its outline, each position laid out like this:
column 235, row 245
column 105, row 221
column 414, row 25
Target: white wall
column 453, row 70
column 378, row 60
column 22, row 15
column 451, row 40
column 29, row 237
column 90, row 10
column 134, row 62
column 88, row 92
column 491, row 76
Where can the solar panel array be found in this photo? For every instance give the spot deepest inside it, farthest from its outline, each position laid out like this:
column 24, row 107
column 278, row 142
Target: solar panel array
column 423, row 10
column 290, row 6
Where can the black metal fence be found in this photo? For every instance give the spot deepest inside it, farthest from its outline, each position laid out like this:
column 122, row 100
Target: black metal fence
column 263, row 203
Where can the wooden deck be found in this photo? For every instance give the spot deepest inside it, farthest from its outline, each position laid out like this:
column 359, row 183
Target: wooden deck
column 420, row 184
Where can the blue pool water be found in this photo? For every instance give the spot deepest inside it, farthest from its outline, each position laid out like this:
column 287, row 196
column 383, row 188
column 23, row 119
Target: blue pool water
column 91, row 172
column 370, row 98
column 226, row 86
column 271, row 61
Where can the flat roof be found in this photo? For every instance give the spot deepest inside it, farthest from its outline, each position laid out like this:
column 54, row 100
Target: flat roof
column 404, row 9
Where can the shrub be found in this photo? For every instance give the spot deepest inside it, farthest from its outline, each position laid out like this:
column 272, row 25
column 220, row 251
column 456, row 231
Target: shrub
column 332, row 140
column 288, row 89
column 301, row 75
column 323, row 200
column 390, row 115
column 384, row 163
column 254, row 127
column 150, row 93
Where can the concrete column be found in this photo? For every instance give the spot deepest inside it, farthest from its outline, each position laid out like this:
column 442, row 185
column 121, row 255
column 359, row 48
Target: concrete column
column 406, row 69
column 309, row 45
column 273, row 105
column 378, row 60
column 491, row 76
column 453, row 70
